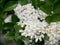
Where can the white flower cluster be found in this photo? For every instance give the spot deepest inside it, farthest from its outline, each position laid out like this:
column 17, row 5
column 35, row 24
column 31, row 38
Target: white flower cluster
column 53, row 31
column 35, row 28
column 29, row 17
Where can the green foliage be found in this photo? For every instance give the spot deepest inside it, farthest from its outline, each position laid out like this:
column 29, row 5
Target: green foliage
column 17, row 27
column 51, row 2
column 1, row 2
column 46, row 37
column 10, row 35
column 1, row 22
column 3, row 15
column 48, row 19
column 10, row 5
column 35, row 3
column 53, row 18
column 1, row 10
column 20, row 42
column 56, row 17
column 8, row 26
column 46, row 9
column 23, row 2
column 14, row 19
column 56, row 6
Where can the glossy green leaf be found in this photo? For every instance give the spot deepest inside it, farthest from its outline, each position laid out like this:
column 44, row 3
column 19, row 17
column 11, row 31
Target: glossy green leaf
column 34, row 3
column 10, row 5
column 15, row 19
column 23, row 2
column 55, row 17
column 7, row 26
column 46, row 9
column 48, row 19
column 37, row 3
column 10, row 35
column 17, row 27
column 56, row 7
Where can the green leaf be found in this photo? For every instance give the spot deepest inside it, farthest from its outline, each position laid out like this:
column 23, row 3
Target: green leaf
column 7, row 26
column 35, row 3
column 17, row 27
column 10, row 6
column 1, row 22
column 50, row 1
column 48, row 19
column 15, row 19
column 3, row 15
column 46, row 37
column 56, row 7
column 53, row 18
column 1, row 8
column 1, row 1
column 23, row 2
column 46, row 9
column 20, row 42
column 10, row 35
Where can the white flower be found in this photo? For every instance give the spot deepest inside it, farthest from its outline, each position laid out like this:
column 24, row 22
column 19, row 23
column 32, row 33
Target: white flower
column 58, row 25
column 39, row 37
column 41, row 14
column 21, row 31
column 8, row 19
column 53, row 32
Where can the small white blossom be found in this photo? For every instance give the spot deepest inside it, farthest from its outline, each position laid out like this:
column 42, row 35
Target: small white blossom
column 8, row 19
